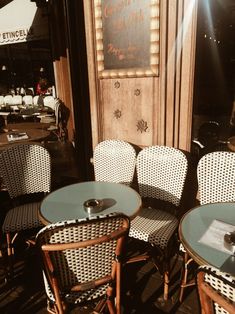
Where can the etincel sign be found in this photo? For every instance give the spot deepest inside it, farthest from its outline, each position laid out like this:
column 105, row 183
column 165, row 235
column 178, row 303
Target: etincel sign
column 22, row 20
column 18, row 35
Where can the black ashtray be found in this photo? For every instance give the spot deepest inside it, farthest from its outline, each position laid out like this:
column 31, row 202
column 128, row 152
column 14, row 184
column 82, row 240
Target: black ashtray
column 93, row 205
column 229, row 241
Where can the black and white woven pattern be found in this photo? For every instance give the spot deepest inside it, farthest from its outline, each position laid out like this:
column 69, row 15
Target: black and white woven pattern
column 216, row 177
column 216, row 181
column 221, row 282
column 22, row 218
column 77, row 266
column 114, row 161
column 154, row 226
column 161, row 173
column 25, row 169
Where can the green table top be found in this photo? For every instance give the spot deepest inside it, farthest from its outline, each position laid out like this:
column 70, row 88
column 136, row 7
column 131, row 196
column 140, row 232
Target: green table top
column 195, row 223
column 67, row 203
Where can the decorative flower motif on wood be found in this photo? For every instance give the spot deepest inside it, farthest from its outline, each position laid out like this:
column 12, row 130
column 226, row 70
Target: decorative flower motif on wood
column 117, row 114
column 117, row 84
column 142, row 126
column 137, row 92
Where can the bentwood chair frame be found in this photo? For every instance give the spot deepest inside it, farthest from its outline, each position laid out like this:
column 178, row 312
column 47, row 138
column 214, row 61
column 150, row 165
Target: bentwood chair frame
column 26, row 172
column 216, row 181
column 216, row 291
column 82, row 262
column 114, row 161
column 161, row 174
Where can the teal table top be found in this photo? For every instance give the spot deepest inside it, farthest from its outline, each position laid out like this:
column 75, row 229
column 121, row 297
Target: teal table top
column 67, row 203
column 198, row 241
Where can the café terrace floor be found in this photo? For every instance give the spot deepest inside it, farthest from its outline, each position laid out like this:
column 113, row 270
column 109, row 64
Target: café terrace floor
column 142, row 289
column 142, row 284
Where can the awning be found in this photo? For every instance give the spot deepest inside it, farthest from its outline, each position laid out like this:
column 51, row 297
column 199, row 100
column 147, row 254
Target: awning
column 22, row 20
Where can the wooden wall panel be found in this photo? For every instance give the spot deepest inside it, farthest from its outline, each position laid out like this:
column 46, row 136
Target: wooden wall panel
column 165, row 102
column 187, row 73
column 61, row 60
column 171, row 71
column 95, row 103
column 127, row 109
column 177, row 58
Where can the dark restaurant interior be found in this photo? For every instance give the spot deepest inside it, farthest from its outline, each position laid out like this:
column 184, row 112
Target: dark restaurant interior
column 147, row 150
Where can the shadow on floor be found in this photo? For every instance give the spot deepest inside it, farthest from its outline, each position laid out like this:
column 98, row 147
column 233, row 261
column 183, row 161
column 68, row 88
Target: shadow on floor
column 142, row 289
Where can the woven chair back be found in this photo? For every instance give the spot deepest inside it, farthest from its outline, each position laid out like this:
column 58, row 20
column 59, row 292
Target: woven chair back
column 17, row 100
column 8, row 99
column 216, row 177
column 35, row 100
column 1, row 100
column 49, row 101
column 83, row 253
column 58, row 113
column 114, row 161
column 28, row 99
column 26, row 168
column 216, row 291
column 161, row 173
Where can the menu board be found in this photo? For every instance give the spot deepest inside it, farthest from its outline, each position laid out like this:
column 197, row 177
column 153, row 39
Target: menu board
column 129, row 35
column 126, row 35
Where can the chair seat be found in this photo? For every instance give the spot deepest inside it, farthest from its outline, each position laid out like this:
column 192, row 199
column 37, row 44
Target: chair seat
column 216, row 290
column 22, row 217
column 154, row 226
column 215, row 273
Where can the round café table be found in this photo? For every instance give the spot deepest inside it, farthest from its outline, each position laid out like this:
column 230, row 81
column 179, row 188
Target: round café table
column 26, row 126
column 201, row 231
column 33, row 135
column 67, row 203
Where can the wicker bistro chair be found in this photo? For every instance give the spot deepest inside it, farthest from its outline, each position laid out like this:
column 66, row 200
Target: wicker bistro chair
column 161, row 174
column 216, row 291
column 216, row 181
column 114, row 161
column 28, row 100
column 82, row 262
column 25, row 169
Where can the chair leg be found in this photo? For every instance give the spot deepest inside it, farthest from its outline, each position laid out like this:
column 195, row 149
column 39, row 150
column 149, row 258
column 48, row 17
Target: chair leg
column 100, row 307
column 168, row 267
column 10, row 253
column 110, row 301
column 184, row 282
column 5, row 265
column 166, row 285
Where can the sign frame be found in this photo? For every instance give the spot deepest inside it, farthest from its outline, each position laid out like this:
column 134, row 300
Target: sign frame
column 152, row 69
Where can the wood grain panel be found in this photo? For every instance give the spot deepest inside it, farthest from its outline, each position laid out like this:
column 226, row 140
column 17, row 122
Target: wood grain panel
column 164, row 105
column 187, row 73
column 171, row 71
column 127, row 111
column 92, row 73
